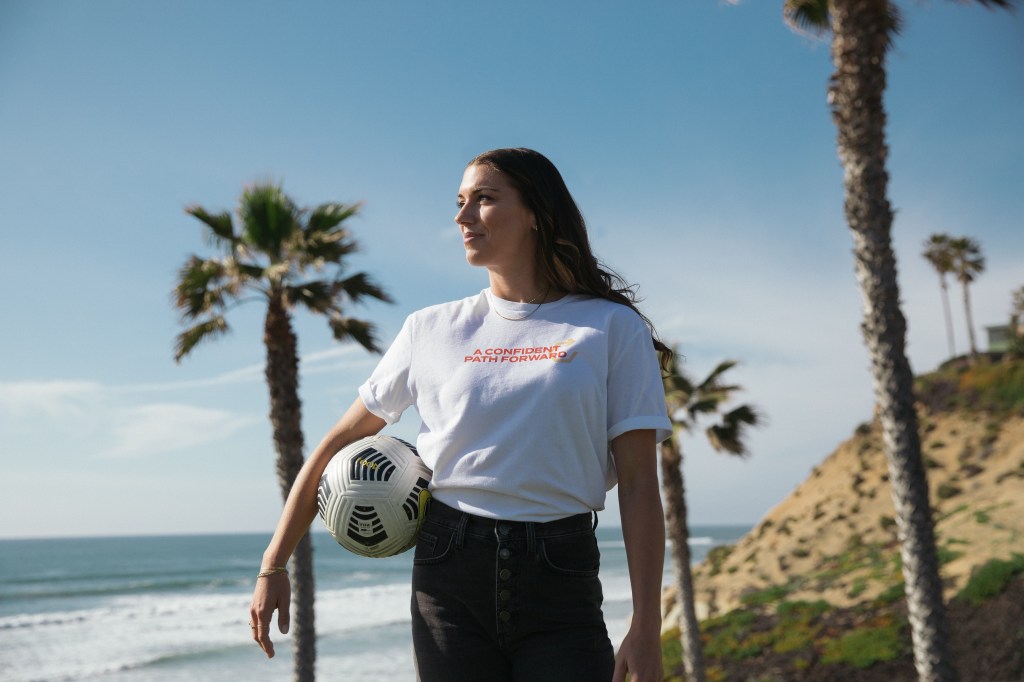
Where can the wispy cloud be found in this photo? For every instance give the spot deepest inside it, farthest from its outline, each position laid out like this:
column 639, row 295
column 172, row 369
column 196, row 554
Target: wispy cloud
column 137, row 420
column 55, row 397
column 57, row 419
column 157, row 428
column 316, row 362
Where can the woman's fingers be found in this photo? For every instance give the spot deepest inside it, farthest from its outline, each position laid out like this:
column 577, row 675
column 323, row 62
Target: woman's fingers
column 283, row 618
column 272, row 593
column 262, row 637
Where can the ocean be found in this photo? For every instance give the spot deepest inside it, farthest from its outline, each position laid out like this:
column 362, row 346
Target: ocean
column 175, row 608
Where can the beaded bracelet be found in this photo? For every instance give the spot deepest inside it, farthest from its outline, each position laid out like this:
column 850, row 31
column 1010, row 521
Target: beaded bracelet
column 273, row 570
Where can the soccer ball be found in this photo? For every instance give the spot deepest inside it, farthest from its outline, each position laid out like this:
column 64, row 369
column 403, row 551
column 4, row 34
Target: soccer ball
column 372, row 496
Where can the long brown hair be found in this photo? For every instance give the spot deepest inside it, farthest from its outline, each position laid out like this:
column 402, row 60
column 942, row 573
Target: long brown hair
column 563, row 247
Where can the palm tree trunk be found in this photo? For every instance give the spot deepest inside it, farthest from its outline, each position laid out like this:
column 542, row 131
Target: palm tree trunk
column 970, row 321
column 949, row 316
column 282, row 372
column 679, row 542
column 860, row 39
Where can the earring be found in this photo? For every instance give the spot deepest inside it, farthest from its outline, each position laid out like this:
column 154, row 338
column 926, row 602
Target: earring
column 534, row 228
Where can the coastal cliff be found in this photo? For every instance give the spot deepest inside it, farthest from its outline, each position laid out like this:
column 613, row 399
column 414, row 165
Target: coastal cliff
column 831, row 544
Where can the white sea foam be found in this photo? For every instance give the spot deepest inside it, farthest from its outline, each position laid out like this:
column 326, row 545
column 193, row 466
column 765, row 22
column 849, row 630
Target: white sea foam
column 130, row 632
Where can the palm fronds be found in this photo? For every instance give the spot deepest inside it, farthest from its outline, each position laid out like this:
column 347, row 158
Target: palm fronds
column 814, row 18
column 269, row 217
column 966, row 259
column 222, row 230
column 202, row 286
column 689, row 403
column 362, row 332
column 191, row 337
column 269, row 256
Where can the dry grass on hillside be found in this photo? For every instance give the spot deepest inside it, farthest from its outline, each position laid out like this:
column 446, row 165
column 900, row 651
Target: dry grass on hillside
column 834, row 537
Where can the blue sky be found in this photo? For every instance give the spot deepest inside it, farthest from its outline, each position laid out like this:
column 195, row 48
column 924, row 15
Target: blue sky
column 694, row 135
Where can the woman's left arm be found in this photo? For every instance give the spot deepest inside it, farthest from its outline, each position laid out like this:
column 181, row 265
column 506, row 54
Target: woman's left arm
column 643, row 529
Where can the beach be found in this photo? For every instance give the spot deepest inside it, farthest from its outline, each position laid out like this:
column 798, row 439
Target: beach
column 175, row 608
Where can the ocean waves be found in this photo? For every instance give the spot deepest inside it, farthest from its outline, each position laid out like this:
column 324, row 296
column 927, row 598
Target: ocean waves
column 176, row 609
column 169, row 631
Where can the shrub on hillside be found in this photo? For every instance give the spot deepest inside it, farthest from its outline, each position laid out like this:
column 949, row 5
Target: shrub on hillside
column 990, row 579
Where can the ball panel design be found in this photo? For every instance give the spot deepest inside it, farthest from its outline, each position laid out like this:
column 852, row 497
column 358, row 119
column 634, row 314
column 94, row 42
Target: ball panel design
column 365, row 526
column 371, row 495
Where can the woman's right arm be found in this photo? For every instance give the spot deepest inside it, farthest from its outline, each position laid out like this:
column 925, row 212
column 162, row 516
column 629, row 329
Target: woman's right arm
column 273, row 592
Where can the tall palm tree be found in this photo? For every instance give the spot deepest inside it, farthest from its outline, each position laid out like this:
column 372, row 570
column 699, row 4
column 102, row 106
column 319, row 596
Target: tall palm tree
column 286, row 257
column 967, row 263
column 862, row 33
column 937, row 251
column 688, row 403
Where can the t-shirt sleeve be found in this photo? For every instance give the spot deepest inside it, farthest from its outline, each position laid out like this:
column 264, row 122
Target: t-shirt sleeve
column 389, row 391
column 636, row 394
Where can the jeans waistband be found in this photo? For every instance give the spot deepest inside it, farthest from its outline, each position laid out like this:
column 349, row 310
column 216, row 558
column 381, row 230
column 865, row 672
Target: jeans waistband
column 500, row 528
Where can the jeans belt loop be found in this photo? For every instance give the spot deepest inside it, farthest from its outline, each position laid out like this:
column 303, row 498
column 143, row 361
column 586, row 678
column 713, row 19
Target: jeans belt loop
column 460, row 530
column 531, row 537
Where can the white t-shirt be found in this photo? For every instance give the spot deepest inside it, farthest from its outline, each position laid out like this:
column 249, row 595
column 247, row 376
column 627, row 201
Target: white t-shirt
column 518, row 415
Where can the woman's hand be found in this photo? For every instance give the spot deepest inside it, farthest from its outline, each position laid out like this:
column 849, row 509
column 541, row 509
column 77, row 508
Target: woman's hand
column 639, row 656
column 272, row 593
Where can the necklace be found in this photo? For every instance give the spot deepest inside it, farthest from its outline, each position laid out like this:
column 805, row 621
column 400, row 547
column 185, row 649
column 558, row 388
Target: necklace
column 518, row 319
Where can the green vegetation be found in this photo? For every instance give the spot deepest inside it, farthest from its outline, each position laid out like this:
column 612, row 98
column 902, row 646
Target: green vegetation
column 767, row 596
column 858, row 588
column 798, row 625
column 990, row 579
column 717, row 556
column 870, row 560
column 866, row 646
column 801, row 631
column 994, row 387
column 992, row 430
column 891, row 595
column 946, row 555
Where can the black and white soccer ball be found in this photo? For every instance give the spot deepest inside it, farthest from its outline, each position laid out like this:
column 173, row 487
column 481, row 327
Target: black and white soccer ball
column 372, row 496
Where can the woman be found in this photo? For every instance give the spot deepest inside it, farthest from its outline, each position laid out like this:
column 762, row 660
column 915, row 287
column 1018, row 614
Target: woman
column 536, row 395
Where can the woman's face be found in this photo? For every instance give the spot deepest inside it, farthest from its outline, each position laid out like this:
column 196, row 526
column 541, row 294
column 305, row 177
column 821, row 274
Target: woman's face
column 497, row 227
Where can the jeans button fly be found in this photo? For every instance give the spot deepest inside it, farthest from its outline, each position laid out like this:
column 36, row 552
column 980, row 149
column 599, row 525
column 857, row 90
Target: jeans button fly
column 505, row 574
column 505, row 616
column 504, row 553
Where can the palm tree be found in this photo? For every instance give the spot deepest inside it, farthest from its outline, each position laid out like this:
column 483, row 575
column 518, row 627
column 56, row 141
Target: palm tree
column 967, row 263
column 270, row 257
column 862, row 33
column 687, row 404
column 937, row 252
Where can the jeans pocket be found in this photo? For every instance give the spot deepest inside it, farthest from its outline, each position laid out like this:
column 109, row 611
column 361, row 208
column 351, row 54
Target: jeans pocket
column 433, row 549
column 572, row 555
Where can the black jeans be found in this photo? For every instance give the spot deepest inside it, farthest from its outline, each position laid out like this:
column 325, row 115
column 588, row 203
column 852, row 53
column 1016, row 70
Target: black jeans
column 505, row 601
